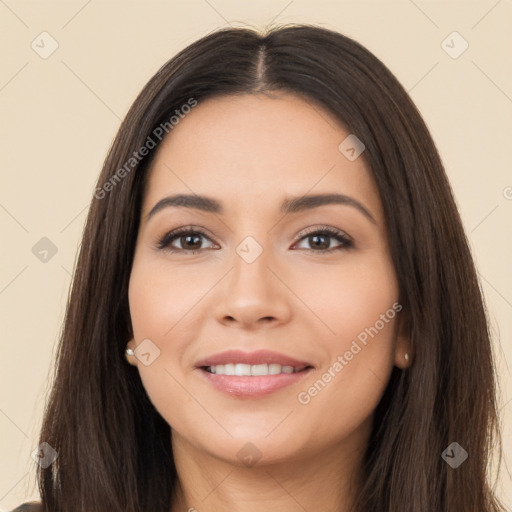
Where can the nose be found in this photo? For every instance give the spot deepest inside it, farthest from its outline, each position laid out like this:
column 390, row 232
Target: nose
column 254, row 294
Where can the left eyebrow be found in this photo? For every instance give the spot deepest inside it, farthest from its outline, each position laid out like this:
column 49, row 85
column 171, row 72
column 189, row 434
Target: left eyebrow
column 289, row 206
column 301, row 203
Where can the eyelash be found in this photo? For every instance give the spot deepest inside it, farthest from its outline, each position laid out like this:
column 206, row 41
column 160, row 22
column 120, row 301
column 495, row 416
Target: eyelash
column 165, row 241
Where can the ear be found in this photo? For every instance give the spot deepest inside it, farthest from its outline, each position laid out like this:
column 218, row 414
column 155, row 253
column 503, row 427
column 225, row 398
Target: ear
column 131, row 358
column 403, row 341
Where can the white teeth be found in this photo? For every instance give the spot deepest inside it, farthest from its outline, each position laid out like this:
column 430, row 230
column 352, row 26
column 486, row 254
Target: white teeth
column 255, row 369
column 274, row 369
column 259, row 369
column 240, row 369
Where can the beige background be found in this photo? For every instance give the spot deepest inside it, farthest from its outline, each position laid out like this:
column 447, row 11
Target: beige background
column 59, row 115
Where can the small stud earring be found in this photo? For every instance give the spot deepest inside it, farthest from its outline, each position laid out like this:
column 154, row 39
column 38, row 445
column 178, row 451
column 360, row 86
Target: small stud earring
column 129, row 352
column 406, row 356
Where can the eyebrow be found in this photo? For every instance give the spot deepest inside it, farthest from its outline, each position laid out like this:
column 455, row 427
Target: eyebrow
column 288, row 206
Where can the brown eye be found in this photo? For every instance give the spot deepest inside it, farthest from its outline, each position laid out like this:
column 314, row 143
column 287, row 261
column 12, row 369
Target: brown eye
column 189, row 240
column 319, row 240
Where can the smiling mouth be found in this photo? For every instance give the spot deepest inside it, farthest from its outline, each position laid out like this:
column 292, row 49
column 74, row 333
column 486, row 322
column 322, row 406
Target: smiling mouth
column 256, row 370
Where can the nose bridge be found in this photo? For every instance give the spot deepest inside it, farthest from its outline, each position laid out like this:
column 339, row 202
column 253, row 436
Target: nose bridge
column 252, row 291
column 251, row 276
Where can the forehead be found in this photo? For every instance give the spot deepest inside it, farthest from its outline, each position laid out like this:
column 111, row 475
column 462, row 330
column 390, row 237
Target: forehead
column 251, row 150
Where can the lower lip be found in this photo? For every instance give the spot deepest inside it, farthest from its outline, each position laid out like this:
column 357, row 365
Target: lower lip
column 244, row 386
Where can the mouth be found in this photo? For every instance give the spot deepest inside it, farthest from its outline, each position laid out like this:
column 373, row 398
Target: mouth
column 256, row 370
column 259, row 362
column 251, row 374
column 252, row 386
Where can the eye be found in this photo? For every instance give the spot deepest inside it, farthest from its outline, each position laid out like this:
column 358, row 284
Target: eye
column 319, row 239
column 188, row 238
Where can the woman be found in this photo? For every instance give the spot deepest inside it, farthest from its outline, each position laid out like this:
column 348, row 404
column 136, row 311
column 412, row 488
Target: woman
column 274, row 305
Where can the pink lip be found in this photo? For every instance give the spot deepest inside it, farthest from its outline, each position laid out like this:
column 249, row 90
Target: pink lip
column 252, row 358
column 252, row 387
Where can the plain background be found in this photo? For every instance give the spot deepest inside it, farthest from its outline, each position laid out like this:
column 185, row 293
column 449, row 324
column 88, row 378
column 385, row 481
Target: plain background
column 60, row 113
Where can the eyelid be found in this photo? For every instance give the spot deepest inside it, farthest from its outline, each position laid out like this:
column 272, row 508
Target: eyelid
column 330, row 229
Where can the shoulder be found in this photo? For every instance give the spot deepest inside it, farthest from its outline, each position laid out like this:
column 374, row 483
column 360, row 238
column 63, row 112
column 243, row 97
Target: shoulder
column 33, row 506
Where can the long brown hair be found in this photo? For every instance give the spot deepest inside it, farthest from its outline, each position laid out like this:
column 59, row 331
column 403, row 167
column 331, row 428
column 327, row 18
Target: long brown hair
column 114, row 449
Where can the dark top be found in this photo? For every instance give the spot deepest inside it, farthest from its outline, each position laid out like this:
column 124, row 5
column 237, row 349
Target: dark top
column 33, row 506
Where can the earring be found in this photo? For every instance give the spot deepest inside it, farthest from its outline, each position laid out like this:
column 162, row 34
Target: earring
column 129, row 352
column 406, row 356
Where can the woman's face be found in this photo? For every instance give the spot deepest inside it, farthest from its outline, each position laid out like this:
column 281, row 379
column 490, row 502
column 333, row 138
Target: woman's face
column 265, row 276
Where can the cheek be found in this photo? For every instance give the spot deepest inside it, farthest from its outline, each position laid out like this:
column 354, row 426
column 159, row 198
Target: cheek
column 344, row 393
column 351, row 298
column 162, row 309
column 160, row 298
column 363, row 312
column 360, row 309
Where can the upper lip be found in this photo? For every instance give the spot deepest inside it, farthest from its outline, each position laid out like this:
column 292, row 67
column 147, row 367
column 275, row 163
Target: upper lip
column 252, row 358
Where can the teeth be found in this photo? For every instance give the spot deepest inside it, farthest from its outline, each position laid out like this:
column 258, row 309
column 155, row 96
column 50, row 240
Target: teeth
column 255, row 369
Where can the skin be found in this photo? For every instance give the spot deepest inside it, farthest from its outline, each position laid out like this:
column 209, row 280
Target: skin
column 249, row 152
